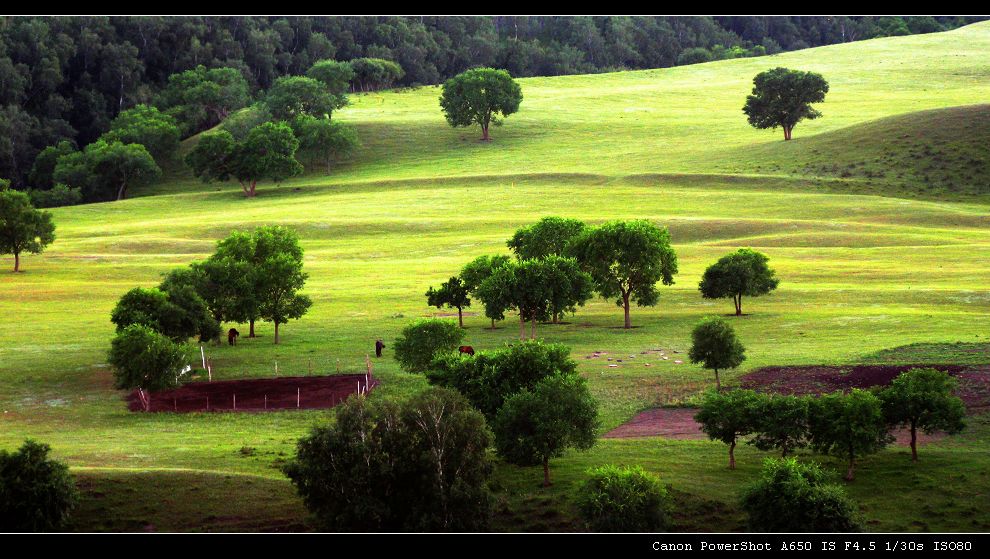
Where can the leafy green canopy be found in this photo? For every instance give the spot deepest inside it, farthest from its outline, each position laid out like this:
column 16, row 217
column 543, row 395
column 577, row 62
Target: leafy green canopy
column 268, row 152
column 715, row 346
column 847, row 425
column 481, row 96
column 143, row 358
column 628, row 499
column 490, row 377
column 536, row 425
column 549, row 236
column 201, row 98
column 145, row 125
column 626, row 259
column 727, row 416
column 922, row 399
column 744, row 272
column 793, row 497
column 37, row 494
column 783, row 97
column 423, row 340
column 105, row 170
column 294, row 96
column 419, row 465
column 23, row 228
column 453, row 294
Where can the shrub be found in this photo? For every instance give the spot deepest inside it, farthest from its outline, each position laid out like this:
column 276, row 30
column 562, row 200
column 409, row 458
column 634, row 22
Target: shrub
column 628, row 499
column 36, row 493
column 420, row 465
column 794, row 497
column 422, row 340
column 59, row 195
column 143, row 358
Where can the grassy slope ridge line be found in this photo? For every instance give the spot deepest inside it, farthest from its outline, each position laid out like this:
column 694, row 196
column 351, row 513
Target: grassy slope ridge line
column 860, row 273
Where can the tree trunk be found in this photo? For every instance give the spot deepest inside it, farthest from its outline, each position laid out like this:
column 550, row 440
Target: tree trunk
column 484, row 133
column 251, row 333
column 787, row 132
column 732, row 455
column 522, row 328
column 851, row 472
column 556, row 318
column 718, row 383
column 493, row 324
column 17, row 262
column 532, row 329
column 460, row 317
column 914, row 442
column 738, row 301
column 276, row 332
column 122, row 191
column 625, row 303
column 546, row 472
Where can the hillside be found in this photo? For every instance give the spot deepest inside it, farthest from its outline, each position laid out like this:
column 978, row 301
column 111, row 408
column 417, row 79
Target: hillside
column 860, row 273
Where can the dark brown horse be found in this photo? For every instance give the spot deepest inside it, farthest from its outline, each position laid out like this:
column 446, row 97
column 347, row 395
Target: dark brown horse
column 466, row 349
column 232, row 336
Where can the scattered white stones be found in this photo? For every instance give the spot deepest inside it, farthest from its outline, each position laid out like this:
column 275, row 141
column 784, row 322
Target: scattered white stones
column 678, row 361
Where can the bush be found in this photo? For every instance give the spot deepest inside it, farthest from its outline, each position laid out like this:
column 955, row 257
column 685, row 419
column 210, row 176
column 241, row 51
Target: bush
column 60, row 195
column 36, row 494
column 488, row 378
column 421, row 465
column 794, row 497
column 617, row 499
column 422, row 340
column 143, row 358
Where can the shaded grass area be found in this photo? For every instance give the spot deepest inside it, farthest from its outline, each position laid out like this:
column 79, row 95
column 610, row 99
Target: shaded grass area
column 924, row 353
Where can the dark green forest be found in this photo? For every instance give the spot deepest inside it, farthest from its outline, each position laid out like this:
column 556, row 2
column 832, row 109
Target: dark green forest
column 67, row 78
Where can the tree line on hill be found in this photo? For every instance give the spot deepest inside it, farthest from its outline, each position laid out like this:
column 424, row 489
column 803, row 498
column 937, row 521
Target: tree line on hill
column 68, row 78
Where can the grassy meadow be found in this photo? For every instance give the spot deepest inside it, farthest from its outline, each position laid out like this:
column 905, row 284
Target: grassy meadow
column 874, row 249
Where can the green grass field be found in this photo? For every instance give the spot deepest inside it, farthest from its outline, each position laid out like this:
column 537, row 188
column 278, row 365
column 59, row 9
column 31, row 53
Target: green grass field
column 872, row 255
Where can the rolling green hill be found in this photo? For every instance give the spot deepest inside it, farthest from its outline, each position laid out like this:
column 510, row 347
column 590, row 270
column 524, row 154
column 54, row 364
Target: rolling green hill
column 862, row 270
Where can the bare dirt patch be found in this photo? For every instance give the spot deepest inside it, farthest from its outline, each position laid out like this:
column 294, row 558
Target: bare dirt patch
column 669, row 423
column 313, row 392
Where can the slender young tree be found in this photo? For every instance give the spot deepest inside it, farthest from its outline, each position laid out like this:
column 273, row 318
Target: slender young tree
column 922, row 399
column 848, row 426
column 715, row 346
column 475, row 273
column 727, row 416
column 451, row 293
column 23, row 228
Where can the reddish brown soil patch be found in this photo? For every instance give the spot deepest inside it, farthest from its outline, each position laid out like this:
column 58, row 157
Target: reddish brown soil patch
column 974, row 380
column 255, row 394
column 679, row 423
column 670, row 423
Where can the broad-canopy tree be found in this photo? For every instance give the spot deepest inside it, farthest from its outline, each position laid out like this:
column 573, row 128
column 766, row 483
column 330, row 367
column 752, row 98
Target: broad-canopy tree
column 105, row 170
column 41, row 175
column 536, row 425
column 23, row 228
column 715, row 346
column 569, row 286
column 294, row 96
column 481, row 96
column 521, row 285
column 145, row 125
column 475, row 273
column 143, row 358
column 328, row 140
column 489, row 377
column 726, row 416
column 418, row 465
column 453, row 294
column 179, row 313
column 335, row 76
column 268, row 152
column 548, row 236
column 744, row 272
column 782, row 424
column 626, row 259
column 922, row 399
column 202, row 98
column 847, row 426
column 372, row 74
column 278, row 281
column 783, row 97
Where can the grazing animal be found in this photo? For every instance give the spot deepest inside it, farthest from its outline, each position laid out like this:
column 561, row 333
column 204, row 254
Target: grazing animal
column 466, row 349
column 379, row 346
column 232, row 336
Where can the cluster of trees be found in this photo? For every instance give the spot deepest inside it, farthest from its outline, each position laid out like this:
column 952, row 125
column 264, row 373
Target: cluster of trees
column 67, row 78
column 559, row 263
column 846, row 425
column 251, row 277
column 22, row 227
column 529, row 392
